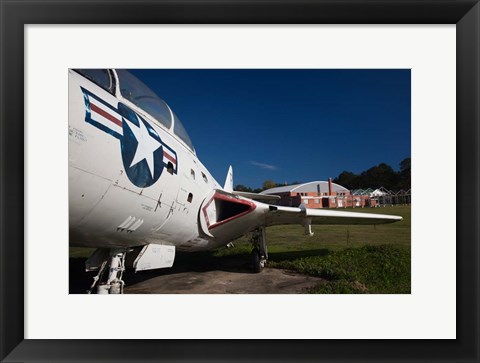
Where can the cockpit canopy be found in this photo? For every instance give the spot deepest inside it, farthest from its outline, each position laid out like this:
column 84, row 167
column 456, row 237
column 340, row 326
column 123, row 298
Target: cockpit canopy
column 134, row 90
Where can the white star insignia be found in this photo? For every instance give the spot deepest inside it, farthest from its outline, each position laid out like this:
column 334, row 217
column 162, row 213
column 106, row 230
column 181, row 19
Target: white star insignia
column 147, row 145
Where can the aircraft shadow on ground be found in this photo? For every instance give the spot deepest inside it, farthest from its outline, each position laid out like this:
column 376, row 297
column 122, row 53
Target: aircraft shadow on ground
column 80, row 280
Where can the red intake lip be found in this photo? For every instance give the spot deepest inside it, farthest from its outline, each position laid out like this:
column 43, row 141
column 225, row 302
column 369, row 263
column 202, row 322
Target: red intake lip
column 230, row 200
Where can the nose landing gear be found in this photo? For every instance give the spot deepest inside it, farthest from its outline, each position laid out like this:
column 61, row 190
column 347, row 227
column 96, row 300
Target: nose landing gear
column 115, row 261
column 259, row 254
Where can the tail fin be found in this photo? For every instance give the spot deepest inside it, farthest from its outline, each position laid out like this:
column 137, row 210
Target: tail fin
column 228, row 187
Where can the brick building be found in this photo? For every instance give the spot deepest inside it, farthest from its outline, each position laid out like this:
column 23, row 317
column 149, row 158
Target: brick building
column 319, row 194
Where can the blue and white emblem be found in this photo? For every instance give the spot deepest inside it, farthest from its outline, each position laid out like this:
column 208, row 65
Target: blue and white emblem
column 144, row 154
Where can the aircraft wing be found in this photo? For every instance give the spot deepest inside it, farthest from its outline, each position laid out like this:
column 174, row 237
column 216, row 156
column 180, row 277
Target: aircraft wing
column 302, row 215
column 227, row 216
column 256, row 196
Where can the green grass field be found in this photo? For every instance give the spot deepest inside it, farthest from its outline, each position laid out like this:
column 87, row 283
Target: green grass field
column 351, row 259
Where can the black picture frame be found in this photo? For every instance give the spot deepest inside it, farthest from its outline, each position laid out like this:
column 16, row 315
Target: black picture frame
column 16, row 14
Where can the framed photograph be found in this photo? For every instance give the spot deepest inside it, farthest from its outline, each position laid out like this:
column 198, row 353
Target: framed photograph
column 437, row 321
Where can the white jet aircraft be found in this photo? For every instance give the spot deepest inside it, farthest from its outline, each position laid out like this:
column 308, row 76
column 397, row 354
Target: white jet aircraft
column 137, row 186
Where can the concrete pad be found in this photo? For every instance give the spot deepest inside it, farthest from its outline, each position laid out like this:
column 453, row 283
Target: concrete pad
column 269, row 281
column 201, row 274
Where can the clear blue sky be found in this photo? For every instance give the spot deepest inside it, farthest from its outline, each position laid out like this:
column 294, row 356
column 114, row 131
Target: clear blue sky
column 290, row 125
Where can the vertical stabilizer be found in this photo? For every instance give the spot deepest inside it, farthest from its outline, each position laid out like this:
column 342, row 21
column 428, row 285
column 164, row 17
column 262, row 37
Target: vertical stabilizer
column 228, row 187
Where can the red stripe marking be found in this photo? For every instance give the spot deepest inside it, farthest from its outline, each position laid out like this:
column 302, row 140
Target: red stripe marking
column 105, row 114
column 166, row 155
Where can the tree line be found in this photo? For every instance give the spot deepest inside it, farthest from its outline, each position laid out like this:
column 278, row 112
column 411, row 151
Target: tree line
column 381, row 175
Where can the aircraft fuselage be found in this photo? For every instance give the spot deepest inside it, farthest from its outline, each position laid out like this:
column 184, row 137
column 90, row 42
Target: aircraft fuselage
column 132, row 180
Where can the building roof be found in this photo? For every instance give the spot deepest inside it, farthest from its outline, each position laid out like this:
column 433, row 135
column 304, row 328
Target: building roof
column 306, row 187
column 367, row 191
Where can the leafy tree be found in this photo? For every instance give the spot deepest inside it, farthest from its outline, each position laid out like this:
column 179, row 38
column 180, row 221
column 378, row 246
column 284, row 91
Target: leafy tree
column 347, row 179
column 378, row 176
column 405, row 179
column 381, row 175
column 268, row 184
column 243, row 188
column 405, row 165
